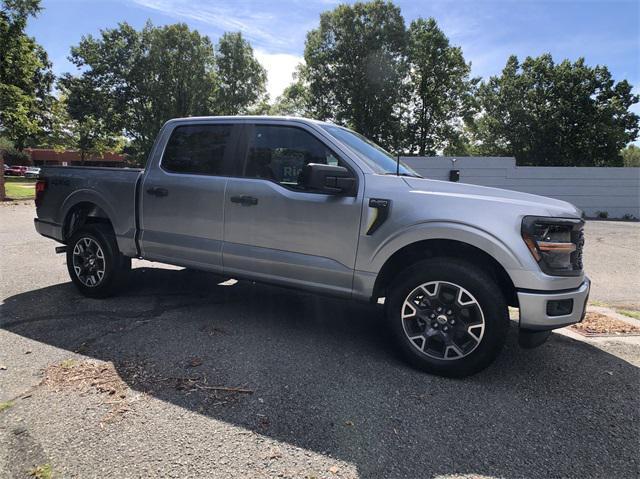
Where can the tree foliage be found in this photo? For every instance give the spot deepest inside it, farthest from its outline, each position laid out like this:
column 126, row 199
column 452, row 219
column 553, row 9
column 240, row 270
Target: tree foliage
column 440, row 90
column 240, row 78
column 132, row 81
column 631, row 156
column 77, row 126
column 25, row 74
column 356, row 66
column 294, row 101
column 549, row 114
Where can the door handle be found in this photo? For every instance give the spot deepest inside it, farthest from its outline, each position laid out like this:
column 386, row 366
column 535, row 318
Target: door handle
column 157, row 191
column 244, row 200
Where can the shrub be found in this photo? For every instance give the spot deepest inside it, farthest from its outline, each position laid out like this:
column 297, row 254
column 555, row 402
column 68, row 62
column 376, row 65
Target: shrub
column 629, row 217
column 14, row 157
column 602, row 214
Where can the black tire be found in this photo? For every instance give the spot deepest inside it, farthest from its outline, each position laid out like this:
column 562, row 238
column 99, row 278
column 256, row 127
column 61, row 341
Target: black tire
column 115, row 266
column 475, row 285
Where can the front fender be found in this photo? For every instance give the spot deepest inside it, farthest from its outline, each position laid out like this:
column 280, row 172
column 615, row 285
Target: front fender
column 440, row 230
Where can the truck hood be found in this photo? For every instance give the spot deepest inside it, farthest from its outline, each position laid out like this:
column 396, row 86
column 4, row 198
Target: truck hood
column 551, row 206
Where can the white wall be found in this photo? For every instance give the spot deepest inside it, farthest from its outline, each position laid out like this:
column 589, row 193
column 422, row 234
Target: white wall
column 614, row 190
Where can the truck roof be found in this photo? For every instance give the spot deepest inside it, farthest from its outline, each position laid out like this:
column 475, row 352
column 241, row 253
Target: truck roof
column 250, row 118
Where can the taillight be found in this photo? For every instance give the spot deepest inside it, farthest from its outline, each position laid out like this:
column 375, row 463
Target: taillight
column 41, row 185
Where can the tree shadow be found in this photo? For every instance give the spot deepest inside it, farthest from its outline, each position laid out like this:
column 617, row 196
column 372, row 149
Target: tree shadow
column 325, row 378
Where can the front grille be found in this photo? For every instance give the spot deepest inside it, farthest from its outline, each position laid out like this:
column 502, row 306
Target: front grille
column 577, row 237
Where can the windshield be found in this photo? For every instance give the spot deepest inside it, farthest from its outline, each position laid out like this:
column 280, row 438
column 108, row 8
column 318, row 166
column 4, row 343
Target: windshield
column 380, row 159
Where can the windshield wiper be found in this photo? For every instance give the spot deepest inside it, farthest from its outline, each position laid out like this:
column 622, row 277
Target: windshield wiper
column 403, row 174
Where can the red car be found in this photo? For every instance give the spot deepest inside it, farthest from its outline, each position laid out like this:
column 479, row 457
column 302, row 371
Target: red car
column 15, row 171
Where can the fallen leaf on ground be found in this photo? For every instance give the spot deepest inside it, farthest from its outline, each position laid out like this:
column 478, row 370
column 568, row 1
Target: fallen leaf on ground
column 89, row 376
column 194, row 362
column 597, row 324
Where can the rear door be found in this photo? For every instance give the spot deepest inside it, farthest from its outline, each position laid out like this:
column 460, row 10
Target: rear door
column 182, row 199
column 277, row 231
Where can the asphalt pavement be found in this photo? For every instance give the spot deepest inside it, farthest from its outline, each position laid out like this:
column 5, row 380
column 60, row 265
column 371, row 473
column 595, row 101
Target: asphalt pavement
column 324, row 394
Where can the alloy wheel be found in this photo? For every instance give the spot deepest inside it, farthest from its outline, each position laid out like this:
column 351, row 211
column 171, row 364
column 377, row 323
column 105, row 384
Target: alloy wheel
column 88, row 261
column 443, row 320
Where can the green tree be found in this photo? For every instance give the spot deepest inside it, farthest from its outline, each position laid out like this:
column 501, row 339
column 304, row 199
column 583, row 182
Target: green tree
column 80, row 120
column 441, row 92
column 241, row 80
column 548, row 114
column 355, row 68
column 292, row 102
column 133, row 81
column 631, row 156
column 25, row 74
column 60, row 131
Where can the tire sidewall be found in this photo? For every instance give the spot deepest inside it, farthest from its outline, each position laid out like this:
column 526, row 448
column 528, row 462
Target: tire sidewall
column 112, row 259
column 480, row 285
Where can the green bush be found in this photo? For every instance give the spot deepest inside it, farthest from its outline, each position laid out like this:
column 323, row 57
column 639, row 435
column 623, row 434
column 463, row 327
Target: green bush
column 14, row 157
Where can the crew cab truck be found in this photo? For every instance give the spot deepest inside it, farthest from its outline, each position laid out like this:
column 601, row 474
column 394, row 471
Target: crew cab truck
column 315, row 206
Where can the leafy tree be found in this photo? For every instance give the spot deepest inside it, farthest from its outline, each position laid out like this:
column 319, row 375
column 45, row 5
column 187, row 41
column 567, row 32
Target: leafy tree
column 76, row 126
column 241, row 80
column 25, row 74
column 58, row 128
column 355, row 68
column 131, row 81
column 293, row 101
column 631, row 156
column 546, row 114
column 441, row 92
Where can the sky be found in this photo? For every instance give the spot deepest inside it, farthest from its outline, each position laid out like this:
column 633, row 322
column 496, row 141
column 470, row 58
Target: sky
column 605, row 32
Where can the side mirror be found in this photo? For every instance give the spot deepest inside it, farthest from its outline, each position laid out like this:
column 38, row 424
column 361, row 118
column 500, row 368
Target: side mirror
column 328, row 179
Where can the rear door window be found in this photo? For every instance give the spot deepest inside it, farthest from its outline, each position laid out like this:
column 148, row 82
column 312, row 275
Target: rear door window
column 201, row 150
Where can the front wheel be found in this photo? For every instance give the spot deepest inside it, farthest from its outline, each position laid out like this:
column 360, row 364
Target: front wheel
column 95, row 264
column 449, row 317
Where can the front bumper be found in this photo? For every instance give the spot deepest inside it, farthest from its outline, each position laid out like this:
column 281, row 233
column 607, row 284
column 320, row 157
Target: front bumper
column 533, row 308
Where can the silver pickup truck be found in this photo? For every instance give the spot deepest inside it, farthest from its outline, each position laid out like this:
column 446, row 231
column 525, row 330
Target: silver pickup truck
column 315, row 206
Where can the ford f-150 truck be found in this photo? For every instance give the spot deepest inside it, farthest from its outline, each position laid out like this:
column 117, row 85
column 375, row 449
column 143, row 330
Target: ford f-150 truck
column 316, row 206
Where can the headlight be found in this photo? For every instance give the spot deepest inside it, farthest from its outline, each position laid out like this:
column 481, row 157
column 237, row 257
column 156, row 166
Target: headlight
column 555, row 243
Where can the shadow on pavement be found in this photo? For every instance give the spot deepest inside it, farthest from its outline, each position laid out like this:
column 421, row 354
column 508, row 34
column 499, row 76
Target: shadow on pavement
column 325, row 378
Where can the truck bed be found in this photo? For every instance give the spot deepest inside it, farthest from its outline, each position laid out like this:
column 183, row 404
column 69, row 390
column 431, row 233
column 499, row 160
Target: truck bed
column 112, row 190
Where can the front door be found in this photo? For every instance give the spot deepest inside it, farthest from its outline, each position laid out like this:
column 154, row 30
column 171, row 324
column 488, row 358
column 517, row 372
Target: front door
column 182, row 201
column 275, row 230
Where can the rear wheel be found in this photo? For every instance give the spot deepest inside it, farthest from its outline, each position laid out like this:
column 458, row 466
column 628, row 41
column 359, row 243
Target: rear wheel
column 448, row 317
column 95, row 264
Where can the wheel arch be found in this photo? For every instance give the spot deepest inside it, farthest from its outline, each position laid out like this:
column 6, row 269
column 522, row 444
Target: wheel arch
column 83, row 211
column 443, row 248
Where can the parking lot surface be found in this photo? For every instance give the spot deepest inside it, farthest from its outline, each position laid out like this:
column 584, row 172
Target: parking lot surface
column 316, row 389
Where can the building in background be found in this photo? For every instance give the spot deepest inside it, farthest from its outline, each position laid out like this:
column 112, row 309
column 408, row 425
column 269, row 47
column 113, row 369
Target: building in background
column 42, row 157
